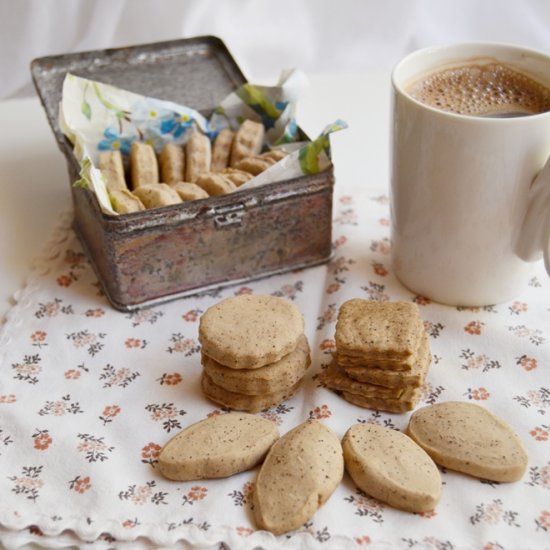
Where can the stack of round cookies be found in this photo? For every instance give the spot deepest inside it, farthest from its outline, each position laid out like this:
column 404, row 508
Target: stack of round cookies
column 254, row 351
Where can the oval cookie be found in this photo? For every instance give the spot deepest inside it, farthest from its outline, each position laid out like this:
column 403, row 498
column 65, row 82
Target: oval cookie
column 189, row 191
column 156, row 195
column 250, row 331
column 219, row 446
column 124, row 202
column 254, row 165
column 391, row 467
column 238, row 177
column 469, row 439
column 299, row 474
column 215, row 184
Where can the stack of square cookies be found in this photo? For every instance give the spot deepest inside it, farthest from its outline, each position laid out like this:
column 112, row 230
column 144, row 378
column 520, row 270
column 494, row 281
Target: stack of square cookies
column 382, row 355
column 254, row 352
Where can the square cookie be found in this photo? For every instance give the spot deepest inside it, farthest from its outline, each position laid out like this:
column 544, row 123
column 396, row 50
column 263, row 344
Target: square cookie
column 394, row 378
column 378, row 332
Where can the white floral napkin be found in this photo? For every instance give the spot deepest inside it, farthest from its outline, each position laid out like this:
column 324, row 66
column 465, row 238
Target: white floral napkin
column 88, row 395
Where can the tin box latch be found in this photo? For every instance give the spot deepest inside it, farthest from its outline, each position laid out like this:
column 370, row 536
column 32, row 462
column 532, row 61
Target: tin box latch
column 230, row 215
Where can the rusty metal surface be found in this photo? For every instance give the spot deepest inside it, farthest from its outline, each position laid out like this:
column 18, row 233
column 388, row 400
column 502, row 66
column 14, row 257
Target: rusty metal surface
column 157, row 255
column 198, row 72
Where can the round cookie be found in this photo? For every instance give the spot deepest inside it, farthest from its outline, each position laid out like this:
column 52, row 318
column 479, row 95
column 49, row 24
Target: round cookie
column 470, row 439
column 242, row 402
column 391, row 467
column 250, row 331
column 276, row 377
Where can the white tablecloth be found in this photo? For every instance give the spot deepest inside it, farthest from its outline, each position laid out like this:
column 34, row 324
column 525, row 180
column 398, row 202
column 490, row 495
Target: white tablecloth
column 88, row 394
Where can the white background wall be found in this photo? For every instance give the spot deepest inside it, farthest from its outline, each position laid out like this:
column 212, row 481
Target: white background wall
column 265, row 36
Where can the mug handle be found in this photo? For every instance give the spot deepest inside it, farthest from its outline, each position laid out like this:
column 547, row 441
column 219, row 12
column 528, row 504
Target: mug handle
column 534, row 238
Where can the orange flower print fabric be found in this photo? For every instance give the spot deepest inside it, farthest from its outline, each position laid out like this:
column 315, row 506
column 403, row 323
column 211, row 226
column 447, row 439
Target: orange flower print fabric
column 90, row 395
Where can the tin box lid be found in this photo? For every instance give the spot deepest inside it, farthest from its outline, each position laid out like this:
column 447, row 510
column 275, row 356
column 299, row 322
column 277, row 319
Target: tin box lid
column 196, row 72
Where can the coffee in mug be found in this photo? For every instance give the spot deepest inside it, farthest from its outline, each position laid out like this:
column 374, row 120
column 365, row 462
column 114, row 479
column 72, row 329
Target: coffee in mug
column 470, row 179
column 491, row 89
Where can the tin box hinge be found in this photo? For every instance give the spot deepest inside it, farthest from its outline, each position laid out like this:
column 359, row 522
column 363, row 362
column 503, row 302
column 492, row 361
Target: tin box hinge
column 228, row 215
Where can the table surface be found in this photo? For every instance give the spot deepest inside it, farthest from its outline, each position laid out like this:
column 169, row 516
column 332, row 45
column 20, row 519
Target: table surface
column 35, row 185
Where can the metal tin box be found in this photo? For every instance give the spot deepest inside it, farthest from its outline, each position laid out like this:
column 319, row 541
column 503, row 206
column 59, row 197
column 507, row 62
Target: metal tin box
column 156, row 255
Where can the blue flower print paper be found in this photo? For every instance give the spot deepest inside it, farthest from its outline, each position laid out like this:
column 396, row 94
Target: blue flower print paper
column 97, row 117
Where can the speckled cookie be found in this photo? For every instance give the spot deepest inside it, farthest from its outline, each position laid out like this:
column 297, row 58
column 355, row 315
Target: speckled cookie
column 274, row 154
column 335, row 378
column 247, row 141
column 299, row 474
column 172, row 163
column 394, row 378
column 112, row 168
column 388, row 404
column 218, row 446
column 198, row 156
column 221, row 150
column 470, row 439
column 250, row 331
column 254, row 165
column 155, row 195
column 215, row 184
column 381, row 333
column 189, row 191
column 237, row 177
column 144, row 167
column 276, row 377
column 389, row 466
column 124, row 201
column 241, row 401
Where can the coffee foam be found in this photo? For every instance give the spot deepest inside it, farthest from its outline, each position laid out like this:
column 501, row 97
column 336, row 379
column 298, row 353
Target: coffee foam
column 483, row 90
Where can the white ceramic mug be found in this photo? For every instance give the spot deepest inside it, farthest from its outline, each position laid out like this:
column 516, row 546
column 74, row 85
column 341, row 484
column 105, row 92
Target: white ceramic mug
column 470, row 196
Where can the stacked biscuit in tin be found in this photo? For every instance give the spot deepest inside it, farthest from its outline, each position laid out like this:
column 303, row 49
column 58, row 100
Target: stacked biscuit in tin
column 254, row 351
column 179, row 173
column 382, row 355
